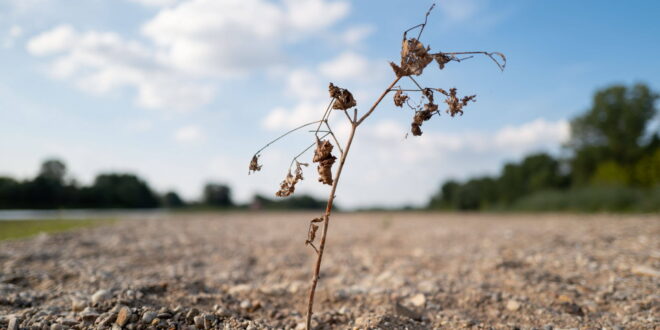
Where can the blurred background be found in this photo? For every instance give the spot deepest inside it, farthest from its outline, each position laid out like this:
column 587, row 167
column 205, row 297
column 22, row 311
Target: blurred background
column 152, row 104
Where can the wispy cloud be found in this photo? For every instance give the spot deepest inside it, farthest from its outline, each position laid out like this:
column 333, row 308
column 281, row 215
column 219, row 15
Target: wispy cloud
column 187, row 44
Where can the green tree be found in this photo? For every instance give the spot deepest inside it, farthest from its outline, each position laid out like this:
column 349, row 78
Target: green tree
column 612, row 129
column 53, row 169
column 172, row 200
column 218, row 195
column 117, row 190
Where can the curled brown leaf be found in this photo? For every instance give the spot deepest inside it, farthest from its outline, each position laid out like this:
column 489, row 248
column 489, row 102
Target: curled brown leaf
column 323, row 156
column 254, row 165
column 311, row 234
column 414, row 58
column 288, row 185
column 422, row 116
column 343, row 98
column 400, row 98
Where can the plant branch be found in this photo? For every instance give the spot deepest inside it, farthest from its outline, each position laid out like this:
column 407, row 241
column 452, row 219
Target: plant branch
column 373, row 107
column 285, row 134
column 331, row 198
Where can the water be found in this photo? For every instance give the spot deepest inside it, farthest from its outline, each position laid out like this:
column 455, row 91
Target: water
column 80, row 214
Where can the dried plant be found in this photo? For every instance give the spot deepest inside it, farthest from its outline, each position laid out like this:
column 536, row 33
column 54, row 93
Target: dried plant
column 415, row 57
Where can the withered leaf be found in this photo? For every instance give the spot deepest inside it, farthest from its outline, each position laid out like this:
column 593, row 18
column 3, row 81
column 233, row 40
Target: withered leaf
column 421, row 116
column 254, row 165
column 343, row 98
column 455, row 105
column 288, row 185
column 414, row 58
column 323, row 156
column 400, row 98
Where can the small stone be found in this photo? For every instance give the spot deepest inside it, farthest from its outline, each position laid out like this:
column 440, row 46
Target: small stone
column 512, row 305
column 149, row 316
column 223, row 312
column 164, row 316
column 548, row 327
column 406, row 312
column 69, row 322
column 78, row 305
column 192, row 313
column 123, row 316
column 209, row 319
column 645, row 271
column 56, row 326
column 90, row 316
column 13, row 324
column 199, row 321
column 100, row 296
column 245, row 304
column 418, row 300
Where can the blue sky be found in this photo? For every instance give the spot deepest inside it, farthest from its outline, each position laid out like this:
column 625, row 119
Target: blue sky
column 184, row 91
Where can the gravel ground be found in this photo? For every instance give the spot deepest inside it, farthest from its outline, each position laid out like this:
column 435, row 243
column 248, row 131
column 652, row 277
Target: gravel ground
column 381, row 270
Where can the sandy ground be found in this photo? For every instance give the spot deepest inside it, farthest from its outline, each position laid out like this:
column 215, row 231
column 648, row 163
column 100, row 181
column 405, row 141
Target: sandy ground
column 381, row 270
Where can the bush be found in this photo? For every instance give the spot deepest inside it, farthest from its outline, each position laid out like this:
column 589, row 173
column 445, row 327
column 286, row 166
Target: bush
column 592, row 199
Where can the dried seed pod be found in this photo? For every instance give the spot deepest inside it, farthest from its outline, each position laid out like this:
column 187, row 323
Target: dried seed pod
column 422, row 116
column 323, row 156
column 288, row 185
column 400, row 98
column 455, row 105
column 254, row 165
column 343, row 98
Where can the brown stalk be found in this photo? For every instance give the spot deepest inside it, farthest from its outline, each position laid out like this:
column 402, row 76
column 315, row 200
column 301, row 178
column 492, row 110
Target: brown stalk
column 331, row 199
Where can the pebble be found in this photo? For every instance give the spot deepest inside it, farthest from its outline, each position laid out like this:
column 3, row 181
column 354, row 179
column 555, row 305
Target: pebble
column 13, row 324
column 512, row 305
column 123, row 316
column 418, row 300
column 149, row 316
column 645, row 271
column 78, row 305
column 199, row 321
column 100, row 296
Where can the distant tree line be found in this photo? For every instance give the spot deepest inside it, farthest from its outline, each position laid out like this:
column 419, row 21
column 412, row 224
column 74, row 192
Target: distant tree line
column 612, row 163
column 51, row 188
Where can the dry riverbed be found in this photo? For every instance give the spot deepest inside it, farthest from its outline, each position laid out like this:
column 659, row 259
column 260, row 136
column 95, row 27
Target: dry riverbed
column 381, row 270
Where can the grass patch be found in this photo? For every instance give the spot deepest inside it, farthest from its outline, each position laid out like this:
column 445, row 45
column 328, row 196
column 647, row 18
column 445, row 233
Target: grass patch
column 13, row 229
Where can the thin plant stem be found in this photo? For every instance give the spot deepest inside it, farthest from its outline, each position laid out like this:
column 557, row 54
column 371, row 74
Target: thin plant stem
column 331, row 199
column 285, row 134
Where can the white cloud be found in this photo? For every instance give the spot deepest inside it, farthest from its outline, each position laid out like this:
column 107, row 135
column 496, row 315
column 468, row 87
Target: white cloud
column 102, row 62
column 189, row 134
column 356, row 34
column 351, row 66
column 187, row 43
column 234, row 37
column 54, row 41
column 309, row 88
